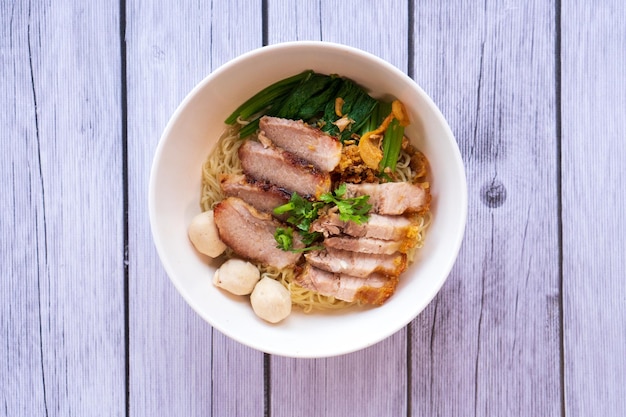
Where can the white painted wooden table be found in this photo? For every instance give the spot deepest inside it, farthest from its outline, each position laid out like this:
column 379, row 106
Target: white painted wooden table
column 532, row 320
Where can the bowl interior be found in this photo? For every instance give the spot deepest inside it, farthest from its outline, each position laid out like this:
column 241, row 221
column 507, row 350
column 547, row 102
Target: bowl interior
column 175, row 191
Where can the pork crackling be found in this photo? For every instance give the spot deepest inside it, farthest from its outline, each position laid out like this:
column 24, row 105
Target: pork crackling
column 392, row 198
column 283, row 169
column 307, row 142
column 374, row 289
column 250, row 233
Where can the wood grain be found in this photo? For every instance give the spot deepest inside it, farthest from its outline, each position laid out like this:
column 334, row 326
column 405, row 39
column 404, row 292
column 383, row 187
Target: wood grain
column 371, row 382
column 62, row 250
column 593, row 58
column 489, row 343
column 532, row 320
column 341, row 386
column 178, row 364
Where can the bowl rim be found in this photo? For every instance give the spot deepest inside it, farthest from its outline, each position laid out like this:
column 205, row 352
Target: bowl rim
column 453, row 247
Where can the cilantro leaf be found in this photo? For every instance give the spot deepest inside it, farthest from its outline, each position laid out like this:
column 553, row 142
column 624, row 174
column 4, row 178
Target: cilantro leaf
column 353, row 209
column 302, row 213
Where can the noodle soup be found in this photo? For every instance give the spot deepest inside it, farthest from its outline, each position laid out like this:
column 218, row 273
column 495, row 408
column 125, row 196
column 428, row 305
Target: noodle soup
column 366, row 156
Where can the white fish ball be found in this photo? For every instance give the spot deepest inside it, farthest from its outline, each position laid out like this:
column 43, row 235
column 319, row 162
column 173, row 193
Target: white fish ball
column 237, row 276
column 204, row 235
column 270, row 300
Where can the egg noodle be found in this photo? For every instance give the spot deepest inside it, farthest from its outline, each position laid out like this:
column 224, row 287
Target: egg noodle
column 224, row 160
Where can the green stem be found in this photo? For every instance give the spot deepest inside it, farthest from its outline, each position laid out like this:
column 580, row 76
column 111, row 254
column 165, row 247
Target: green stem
column 392, row 143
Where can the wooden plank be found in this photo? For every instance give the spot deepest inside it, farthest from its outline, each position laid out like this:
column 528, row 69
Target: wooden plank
column 21, row 223
column 593, row 58
column 489, row 343
column 179, row 364
column 384, row 32
column 371, row 382
column 61, row 296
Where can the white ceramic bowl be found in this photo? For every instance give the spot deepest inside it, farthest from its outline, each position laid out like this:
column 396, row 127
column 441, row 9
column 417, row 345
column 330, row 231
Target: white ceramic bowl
column 175, row 190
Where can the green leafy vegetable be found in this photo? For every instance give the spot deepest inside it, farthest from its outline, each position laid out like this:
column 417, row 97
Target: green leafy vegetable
column 268, row 96
column 308, row 96
column 357, row 106
column 268, row 101
column 301, row 95
column 316, row 104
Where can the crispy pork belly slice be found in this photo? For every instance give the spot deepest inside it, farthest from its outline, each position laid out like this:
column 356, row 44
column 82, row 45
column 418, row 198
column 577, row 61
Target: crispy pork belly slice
column 365, row 244
column 309, row 143
column 262, row 195
column 397, row 228
column 373, row 289
column 355, row 263
column 250, row 233
column 393, row 197
column 283, row 169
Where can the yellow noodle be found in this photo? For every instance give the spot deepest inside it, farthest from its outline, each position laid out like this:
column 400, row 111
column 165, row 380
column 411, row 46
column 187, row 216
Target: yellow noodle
column 422, row 223
column 223, row 160
column 403, row 169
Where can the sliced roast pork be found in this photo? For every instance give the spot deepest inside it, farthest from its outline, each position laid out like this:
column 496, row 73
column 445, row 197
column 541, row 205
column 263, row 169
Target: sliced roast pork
column 355, row 263
column 283, row 169
column 261, row 195
column 398, row 228
column 365, row 244
column 373, row 289
column 250, row 233
column 309, row 143
column 393, row 197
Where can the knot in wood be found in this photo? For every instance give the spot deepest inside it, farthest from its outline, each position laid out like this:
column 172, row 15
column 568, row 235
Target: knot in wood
column 493, row 194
